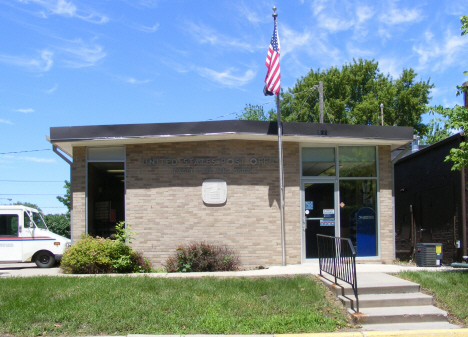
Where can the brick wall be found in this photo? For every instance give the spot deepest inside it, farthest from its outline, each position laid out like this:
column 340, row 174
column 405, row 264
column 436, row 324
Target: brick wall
column 386, row 207
column 166, row 208
column 78, row 188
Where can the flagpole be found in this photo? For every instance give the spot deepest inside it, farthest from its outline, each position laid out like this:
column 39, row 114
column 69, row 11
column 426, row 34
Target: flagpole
column 281, row 178
column 273, row 87
column 281, row 167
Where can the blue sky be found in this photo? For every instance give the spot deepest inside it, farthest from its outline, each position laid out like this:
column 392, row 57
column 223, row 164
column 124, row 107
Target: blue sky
column 67, row 63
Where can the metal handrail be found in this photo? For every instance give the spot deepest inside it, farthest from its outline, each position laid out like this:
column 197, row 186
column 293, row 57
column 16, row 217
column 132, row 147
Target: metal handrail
column 337, row 257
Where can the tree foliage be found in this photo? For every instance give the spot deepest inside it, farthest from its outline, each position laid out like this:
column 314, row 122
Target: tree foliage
column 352, row 95
column 257, row 113
column 58, row 223
column 436, row 131
column 464, row 24
column 457, row 118
column 66, row 199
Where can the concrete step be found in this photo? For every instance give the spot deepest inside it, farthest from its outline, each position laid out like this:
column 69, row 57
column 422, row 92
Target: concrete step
column 409, row 326
column 386, row 300
column 384, row 284
column 406, row 314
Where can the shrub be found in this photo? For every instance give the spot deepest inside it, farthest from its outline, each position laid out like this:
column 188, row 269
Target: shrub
column 202, row 257
column 98, row 256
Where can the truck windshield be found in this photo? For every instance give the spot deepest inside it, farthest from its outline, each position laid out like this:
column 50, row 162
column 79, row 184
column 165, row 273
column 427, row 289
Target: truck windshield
column 38, row 220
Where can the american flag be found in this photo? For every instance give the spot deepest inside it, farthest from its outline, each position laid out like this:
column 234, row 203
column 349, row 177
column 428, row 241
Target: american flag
column 273, row 75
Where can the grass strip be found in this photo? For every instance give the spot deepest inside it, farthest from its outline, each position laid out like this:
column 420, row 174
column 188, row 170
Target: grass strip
column 144, row 305
column 449, row 289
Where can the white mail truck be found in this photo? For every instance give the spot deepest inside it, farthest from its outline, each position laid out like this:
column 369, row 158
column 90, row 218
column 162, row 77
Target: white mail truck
column 24, row 237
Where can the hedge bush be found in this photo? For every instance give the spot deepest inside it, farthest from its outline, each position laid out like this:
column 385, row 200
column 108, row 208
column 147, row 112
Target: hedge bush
column 99, row 256
column 202, row 257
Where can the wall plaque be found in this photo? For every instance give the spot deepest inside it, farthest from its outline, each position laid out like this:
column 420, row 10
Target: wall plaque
column 214, row 191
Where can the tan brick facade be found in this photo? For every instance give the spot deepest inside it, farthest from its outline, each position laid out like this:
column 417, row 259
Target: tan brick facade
column 165, row 208
column 78, row 188
column 386, row 205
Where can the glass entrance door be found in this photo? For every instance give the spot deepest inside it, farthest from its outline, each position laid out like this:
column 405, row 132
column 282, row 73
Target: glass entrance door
column 319, row 214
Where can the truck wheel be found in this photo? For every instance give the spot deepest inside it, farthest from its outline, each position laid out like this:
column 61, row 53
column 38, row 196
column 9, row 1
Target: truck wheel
column 44, row 260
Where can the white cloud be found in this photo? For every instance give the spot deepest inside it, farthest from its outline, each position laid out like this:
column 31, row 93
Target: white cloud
column 41, row 63
column 364, row 13
column 148, row 29
column 250, row 14
column 440, row 54
column 3, row 121
column 207, row 35
column 132, row 80
column 391, row 66
column 293, row 40
column 68, row 9
column 178, row 67
column 396, row 16
column 37, row 160
column 226, row 77
column 315, row 45
column 25, row 111
column 357, row 52
column 318, row 6
column 149, row 3
column 333, row 24
column 81, row 54
column 51, row 90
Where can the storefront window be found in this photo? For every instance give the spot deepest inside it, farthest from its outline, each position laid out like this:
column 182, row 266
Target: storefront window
column 357, row 193
column 358, row 201
column 318, row 161
column 357, row 161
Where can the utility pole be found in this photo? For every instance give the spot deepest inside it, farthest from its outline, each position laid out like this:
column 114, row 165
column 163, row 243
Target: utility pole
column 321, row 101
column 381, row 112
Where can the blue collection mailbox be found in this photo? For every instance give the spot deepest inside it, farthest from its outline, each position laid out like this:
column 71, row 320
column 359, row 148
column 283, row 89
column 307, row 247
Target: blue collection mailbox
column 365, row 232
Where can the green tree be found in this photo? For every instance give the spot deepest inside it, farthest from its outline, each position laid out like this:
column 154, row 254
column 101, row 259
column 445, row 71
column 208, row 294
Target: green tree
column 436, row 131
column 66, row 199
column 464, row 24
column 457, row 117
column 353, row 94
column 256, row 113
column 58, row 223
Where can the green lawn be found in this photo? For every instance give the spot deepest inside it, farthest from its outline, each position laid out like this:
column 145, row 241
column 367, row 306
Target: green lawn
column 450, row 290
column 145, row 305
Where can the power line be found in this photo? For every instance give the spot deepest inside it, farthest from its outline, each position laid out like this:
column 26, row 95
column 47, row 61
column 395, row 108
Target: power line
column 34, row 181
column 26, row 151
column 32, row 194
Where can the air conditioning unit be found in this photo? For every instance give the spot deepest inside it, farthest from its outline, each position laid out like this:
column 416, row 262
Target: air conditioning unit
column 428, row 254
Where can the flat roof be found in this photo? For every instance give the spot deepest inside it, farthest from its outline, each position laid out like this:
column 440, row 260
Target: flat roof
column 68, row 137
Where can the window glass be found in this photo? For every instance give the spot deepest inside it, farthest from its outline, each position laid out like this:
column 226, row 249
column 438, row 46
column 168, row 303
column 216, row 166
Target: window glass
column 357, row 161
column 358, row 215
column 106, row 153
column 8, row 225
column 27, row 221
column 318, row 161
column 39, row 221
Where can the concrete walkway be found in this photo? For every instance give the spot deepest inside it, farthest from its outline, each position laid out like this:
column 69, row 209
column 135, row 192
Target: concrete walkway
column 30, row 269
